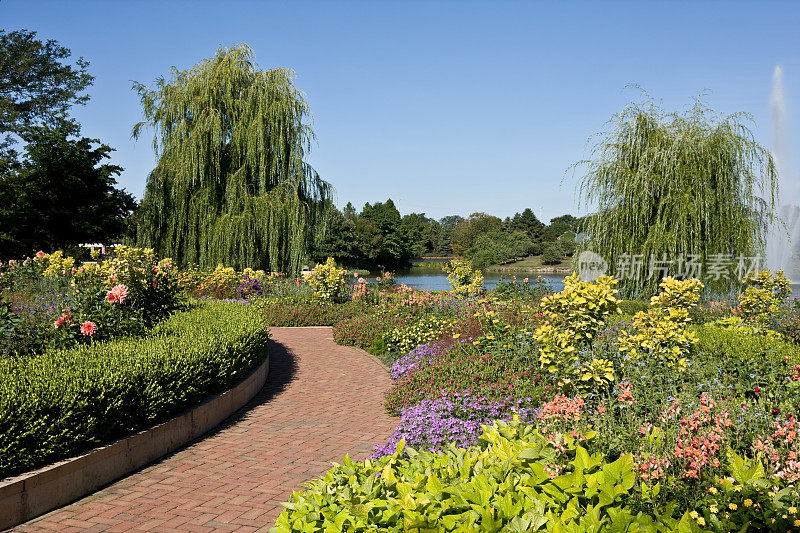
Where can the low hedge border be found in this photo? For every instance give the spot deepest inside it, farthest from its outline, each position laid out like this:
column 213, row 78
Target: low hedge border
column 62, row 403
column 30, row 495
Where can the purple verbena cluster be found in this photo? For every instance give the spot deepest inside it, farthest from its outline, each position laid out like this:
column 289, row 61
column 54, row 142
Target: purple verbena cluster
column 250, row 287
column 457, row 418
column 413, row 359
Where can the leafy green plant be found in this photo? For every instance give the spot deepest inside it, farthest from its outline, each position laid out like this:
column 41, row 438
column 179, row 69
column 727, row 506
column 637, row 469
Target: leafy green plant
column 678, row 294
column 572, row 319
column 764, row 293
column 511, row 481
column 659, row 335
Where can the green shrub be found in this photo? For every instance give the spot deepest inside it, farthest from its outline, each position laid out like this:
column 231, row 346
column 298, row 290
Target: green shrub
column 327, row 280
column 678, row 294
column 60, row 403
column 743, row 343
column 463, row 280
column 403, row 339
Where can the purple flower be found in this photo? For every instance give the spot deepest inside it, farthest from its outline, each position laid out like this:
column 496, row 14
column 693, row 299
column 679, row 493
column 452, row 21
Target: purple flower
column 421, row 354
column 456, row 418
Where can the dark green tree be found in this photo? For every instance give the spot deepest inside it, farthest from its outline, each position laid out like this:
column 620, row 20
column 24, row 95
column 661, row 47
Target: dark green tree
column 528, row 223
column 558, row 226
column 418, row 231
column 382, row 240
column 61, row 195
column 338, row 240
column 38, row 85
column 446, row 225
column 467, row 231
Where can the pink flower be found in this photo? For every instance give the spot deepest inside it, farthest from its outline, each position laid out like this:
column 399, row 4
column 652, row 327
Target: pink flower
column 60, row 321
column 88, row 328
column 117, row 295
column 378, row 278
column 40, row 254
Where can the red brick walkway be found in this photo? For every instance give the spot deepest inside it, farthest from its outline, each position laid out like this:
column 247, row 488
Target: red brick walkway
column 320, row 402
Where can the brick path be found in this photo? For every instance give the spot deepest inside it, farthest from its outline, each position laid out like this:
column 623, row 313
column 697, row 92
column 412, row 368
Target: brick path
column 320, row 402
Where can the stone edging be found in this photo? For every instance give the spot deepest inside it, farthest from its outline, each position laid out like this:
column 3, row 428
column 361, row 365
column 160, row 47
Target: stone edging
column 34, row 493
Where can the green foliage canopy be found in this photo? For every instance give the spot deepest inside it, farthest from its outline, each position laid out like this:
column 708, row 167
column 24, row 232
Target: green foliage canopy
column 37, row 85
column 672, row 184
column 60, row 195
column 231, row 184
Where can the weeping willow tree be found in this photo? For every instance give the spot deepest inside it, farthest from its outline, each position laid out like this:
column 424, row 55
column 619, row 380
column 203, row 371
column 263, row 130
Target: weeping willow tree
column 676, row 186
column 231, row 184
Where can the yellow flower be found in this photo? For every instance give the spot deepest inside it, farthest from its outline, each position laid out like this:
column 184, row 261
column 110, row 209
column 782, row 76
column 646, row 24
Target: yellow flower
column 738, row 488
column 694, row 514
column 797, row 522
column 701, row 521
column 713, row 509
column 457, row 335
column 713, row 490
column 490, row 337
column 476, row 342
column 793, row 510
column 732, row 506
column 748, row 502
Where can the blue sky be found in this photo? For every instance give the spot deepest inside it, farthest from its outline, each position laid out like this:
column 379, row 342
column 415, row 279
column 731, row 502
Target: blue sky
column 445, row 107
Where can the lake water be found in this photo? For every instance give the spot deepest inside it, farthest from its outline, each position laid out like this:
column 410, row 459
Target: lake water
column 433, row 280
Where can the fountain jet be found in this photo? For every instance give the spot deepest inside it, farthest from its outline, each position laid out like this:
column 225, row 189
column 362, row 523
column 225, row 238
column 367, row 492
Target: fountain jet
column 784, row 235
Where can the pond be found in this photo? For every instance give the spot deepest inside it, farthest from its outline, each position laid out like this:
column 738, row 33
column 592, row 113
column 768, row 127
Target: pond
column 436, row 280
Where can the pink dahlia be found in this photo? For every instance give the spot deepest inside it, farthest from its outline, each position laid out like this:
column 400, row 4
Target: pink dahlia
column 40, row 254
column 117, row 295
column 88, row 328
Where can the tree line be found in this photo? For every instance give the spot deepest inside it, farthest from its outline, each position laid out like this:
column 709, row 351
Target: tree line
column 379, row 237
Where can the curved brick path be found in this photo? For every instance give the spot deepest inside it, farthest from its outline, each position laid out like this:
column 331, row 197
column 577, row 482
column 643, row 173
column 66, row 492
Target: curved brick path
column 320, row 402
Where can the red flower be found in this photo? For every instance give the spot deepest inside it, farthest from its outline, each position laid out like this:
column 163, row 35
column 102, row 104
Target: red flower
column 88, row 328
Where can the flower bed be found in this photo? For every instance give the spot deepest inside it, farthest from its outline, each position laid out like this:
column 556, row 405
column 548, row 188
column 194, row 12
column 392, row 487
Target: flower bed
column 514, row 480
column 697, row 402
column 62, row 402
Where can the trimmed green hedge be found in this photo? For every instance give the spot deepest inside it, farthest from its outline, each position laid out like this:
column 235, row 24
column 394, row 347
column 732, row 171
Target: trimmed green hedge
column 61, row 403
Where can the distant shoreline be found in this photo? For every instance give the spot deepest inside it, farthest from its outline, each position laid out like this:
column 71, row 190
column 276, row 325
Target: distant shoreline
column 524, row 266
column 555, row 269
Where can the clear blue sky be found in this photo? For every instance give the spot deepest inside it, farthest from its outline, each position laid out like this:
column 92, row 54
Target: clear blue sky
column 446, row 107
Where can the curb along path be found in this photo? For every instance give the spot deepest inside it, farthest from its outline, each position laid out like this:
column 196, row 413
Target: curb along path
column 320, row 402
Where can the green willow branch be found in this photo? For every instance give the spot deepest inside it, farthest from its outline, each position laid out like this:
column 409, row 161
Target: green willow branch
column 231, row 184
column 670, row 184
